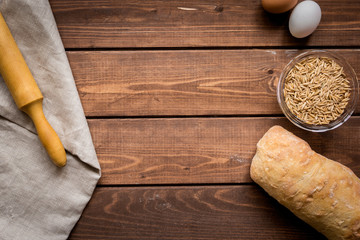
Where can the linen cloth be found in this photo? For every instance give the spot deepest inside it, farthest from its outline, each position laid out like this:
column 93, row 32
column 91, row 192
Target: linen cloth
column 37, row 199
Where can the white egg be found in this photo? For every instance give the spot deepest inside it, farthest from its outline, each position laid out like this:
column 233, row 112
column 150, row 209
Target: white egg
column 304, row 19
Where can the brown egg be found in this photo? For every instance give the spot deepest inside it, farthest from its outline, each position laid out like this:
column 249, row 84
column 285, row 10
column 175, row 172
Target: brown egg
column 278, row 6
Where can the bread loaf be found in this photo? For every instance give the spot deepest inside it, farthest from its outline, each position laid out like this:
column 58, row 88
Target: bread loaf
column 322, row 192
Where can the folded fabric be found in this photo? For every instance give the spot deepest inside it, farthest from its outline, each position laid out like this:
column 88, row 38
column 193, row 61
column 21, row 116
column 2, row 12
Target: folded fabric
column 39, row 200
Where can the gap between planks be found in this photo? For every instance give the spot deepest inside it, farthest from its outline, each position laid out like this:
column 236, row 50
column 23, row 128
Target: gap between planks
column 215, row 48
column 190, row 185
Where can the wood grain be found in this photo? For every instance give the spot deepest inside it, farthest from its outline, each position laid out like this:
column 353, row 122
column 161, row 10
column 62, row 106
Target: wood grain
column 175, row 130
column 201, row 150
column 169, row 83
column 196, row 23
column 194, row 212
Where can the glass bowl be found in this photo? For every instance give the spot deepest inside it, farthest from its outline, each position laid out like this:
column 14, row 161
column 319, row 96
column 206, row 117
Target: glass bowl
column 350, row 107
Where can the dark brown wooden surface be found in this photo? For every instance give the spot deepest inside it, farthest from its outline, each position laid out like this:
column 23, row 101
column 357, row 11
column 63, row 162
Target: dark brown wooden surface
column 196, row 23
column 183, row 82
column 201, row 150
column 177, row 94
column 195, row 212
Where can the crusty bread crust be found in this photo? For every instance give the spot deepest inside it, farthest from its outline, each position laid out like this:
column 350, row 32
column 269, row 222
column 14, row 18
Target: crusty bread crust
column 322, row 192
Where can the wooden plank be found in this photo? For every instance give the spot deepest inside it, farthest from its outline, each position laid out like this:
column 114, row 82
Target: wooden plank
column 194, row 212
column 196, row 23
column 207, row 82
column 201, row 150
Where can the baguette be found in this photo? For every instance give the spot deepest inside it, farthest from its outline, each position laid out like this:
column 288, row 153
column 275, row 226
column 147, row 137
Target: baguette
column 320, row 191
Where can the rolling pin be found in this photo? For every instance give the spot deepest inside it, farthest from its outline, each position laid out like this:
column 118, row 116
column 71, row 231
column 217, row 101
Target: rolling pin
column 26, row 93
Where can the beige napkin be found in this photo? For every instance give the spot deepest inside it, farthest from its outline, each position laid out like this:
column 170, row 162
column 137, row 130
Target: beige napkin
column 37, row 199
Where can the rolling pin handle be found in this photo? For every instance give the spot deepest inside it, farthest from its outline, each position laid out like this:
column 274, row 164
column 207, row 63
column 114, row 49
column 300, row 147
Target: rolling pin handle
column 47, row 134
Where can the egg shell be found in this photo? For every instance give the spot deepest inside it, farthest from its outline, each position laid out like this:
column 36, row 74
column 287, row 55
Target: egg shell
column 304, row 19
column 278, row 6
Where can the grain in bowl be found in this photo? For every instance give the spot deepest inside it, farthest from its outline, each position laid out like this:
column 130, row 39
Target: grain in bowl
column 318, row 91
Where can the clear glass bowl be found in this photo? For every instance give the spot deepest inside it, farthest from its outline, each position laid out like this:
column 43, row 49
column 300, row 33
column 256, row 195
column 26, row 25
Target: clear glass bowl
column 354, row 93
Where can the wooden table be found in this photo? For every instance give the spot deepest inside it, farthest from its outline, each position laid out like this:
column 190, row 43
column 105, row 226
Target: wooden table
column 177, row 94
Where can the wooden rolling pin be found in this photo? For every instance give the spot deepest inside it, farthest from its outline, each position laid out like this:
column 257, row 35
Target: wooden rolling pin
column 26, row 93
